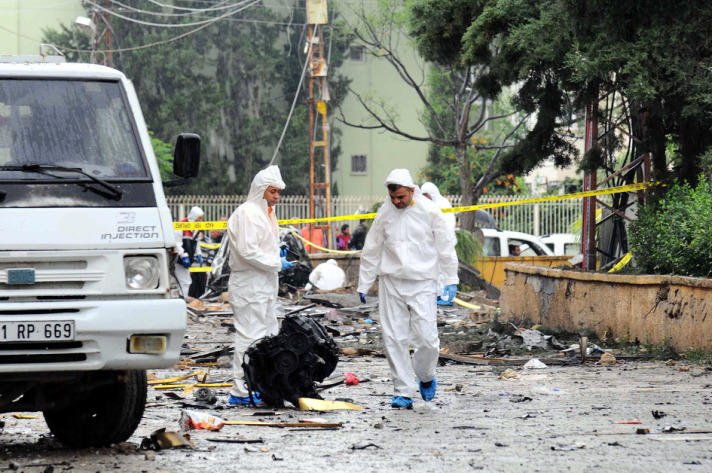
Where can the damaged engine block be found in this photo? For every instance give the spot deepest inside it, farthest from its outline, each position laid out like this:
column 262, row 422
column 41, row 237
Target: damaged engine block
column 288, row 365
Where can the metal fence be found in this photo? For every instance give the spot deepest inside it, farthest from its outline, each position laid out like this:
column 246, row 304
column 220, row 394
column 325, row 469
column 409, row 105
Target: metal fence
column 537, row 219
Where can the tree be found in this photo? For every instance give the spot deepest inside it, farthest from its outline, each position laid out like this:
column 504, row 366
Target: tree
column 454, row 111
column 231, row 82
column 565, row 54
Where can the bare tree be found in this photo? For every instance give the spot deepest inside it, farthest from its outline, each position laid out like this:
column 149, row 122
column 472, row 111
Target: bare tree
column 467, row 112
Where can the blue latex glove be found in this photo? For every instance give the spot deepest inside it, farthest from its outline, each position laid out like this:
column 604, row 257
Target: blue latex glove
column 199, row 260
column 449, row 293
column 285, row 264
column 362, row 296
column 283, row 251
column 185, row 261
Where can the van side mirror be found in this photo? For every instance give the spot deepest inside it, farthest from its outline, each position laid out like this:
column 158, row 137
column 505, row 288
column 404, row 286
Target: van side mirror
column 186, row 155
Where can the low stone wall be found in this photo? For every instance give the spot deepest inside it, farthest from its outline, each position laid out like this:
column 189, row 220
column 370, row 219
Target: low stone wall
column 650, row 308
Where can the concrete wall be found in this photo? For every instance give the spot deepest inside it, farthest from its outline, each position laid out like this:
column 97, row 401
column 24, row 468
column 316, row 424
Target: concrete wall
column 649, row 308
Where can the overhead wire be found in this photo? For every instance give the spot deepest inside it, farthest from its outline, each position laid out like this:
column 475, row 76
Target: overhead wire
column 155, row 13
column 166, row 41
column 175, row 7
column 294, row 102
column 171, row 25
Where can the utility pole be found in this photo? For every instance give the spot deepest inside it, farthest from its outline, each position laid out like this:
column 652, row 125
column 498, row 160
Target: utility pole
column 588, row 226
column 319, row 164
column 101, row 36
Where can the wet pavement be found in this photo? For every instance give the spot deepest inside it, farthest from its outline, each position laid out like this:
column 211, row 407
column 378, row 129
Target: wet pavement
column 560, row 418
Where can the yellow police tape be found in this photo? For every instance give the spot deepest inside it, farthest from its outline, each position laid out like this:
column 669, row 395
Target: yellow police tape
column 621, row 263
column 307, row 242
column 222, row 225
column 200, row 269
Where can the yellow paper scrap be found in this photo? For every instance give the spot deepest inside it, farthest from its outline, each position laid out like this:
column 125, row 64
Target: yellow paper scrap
column 308, row 404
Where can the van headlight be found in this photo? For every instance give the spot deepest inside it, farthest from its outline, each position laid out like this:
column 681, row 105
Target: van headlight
column 141, row 272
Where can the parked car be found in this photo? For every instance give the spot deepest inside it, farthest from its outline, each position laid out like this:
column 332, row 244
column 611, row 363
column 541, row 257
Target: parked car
column 506, row 243
column 564, row 244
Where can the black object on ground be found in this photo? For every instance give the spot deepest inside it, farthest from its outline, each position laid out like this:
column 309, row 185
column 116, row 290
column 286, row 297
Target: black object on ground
column 287, row 366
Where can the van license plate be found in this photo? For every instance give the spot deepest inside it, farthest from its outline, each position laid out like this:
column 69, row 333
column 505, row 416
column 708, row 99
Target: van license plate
column 33, row 331
column 21, row 276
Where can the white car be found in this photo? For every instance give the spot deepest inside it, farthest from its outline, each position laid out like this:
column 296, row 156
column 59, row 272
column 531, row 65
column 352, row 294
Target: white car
column 506, row 243
column 563, row 244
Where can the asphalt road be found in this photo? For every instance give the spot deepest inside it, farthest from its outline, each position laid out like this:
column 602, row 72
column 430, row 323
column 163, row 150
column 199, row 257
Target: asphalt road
column 549, row 420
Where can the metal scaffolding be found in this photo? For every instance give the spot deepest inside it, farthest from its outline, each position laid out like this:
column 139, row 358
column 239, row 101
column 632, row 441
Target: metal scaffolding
column 319, row 164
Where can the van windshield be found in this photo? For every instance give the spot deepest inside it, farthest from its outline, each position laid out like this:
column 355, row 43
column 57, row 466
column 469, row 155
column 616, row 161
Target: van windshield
column 70, row 123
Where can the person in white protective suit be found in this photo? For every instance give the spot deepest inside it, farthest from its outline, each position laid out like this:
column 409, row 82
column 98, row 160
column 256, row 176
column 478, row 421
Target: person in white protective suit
column 188, row 250
column 255, row 260
column 409, row 245
column 432, row 192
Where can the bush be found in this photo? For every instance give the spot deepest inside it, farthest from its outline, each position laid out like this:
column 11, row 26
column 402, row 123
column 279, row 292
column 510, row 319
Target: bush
column 468, row 247
column 674, row 234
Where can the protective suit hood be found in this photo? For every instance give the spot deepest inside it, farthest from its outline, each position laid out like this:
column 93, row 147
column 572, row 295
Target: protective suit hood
column 195, row 213
column 270, row 176
column 430, row 189
column 400, row 177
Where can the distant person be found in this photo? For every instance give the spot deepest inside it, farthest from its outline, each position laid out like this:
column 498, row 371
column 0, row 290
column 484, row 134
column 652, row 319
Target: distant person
column 189, row 252
column 255, row 260
column 432, row 192
column 514, row 250
column 342, row 239
column 215, row 237
column 408, row 246
column 358, row 237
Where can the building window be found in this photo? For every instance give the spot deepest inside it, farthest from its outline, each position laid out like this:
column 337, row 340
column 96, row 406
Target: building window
column 358, row 164
column 357, row 53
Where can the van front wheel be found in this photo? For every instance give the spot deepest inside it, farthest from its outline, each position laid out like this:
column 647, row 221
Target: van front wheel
column 108, row 413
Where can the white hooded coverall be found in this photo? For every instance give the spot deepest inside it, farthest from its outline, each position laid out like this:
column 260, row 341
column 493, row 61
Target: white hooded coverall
column 253, row 237
column 183, row 273
column 440, row 201
column 408, row 249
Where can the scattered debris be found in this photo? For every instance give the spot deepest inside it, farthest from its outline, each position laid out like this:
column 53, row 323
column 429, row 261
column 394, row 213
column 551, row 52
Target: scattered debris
column 285, row 424
column 607, row 359
column 351, row 379
column 365, row 446
column 205, row 395
column 642, row 431
column 287, row 366
column 569, row 447
column 519, row 398
column 233, row 440
column 328, row 276
column 534, row 364
column 636, row 421
column 24, row 416
column 668, row 429
column 307, row 404
column 684, row 368
column 190, row 420
column 658, row 414
column 509, row 373
column 160, row 439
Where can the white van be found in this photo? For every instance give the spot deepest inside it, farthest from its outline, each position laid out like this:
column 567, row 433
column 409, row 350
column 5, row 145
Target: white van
column 563, row 244
column 506, row 243
column 86, row 304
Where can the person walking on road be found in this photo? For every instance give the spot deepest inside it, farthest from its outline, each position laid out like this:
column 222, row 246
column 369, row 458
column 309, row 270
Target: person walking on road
column 255, row 260
column 408, row 246
column 188, row 251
